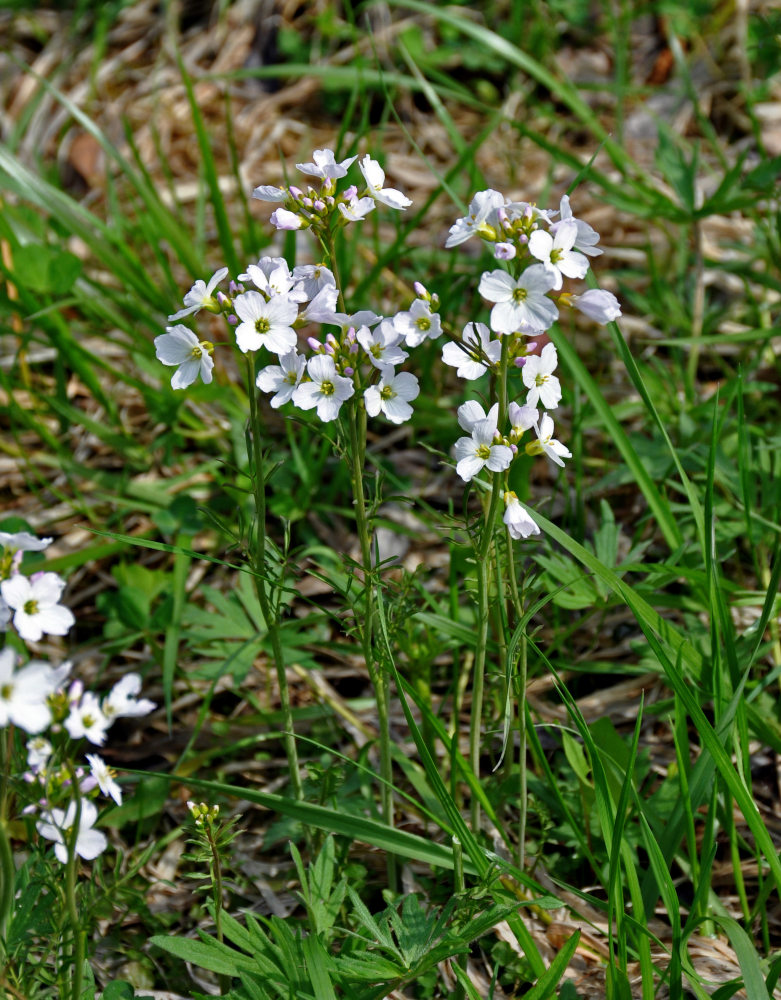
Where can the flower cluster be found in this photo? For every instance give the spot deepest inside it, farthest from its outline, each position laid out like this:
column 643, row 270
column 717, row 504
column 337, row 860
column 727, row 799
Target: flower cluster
column 35, row 697
column 539, row 252
column 269, row 305
column 356, row 355
column 30, row 603
column 317, row 207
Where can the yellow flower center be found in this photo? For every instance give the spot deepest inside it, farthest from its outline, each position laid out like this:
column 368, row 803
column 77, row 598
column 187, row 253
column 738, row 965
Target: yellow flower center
column 484, row 452
column 30, row 607
column 262, row 325
column 519, row 294
column 327, row 388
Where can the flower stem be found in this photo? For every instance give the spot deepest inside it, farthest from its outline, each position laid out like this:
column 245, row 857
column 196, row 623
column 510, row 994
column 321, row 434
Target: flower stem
column 216, row 873
column 79, row 936
column 357, row 425
column 482, row 552
column 270, row 614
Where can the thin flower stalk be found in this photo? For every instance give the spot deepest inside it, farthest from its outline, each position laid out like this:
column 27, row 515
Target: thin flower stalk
column 482, row 554
column 357, row 427
column 270, row 614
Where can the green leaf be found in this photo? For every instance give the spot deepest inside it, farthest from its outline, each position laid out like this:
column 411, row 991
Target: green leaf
column 206, row 954
column 46, row 270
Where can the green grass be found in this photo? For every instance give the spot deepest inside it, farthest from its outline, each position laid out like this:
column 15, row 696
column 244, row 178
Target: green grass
column 659, row 558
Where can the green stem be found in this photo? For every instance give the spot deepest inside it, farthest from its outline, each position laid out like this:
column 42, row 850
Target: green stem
column 482, row 552
column 357, row 426
column 270, row 614
column 7, row 869
column 225, row 980
column 7, row 879
column 79, row 936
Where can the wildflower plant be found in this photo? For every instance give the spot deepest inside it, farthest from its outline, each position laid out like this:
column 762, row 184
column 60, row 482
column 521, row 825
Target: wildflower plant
column 47, row 720
column 306, row 349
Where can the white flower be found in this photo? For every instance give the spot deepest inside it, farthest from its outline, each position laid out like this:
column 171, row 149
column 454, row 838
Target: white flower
column 522, row 418
column 35, row 603
column 587, row 237
column 539, row 379
column 39, row 750
column 480, row 450
column 382, row 344
column 418, row 323
column 200, row 296
column 272, row 276
column 327, row 390
column 597, row 304
column 104, row 776
column 180, row 346
column 392, row 395
column 555, row 450
column 265, row 324
column 519, row 522
column 283, row 219
column 356, row 209
column 24, row 693
column 374, row 176
column 472, row 362
column 283, row 378
column 312, row 278
column 267, row 192
column 471, row 412
column 325, row 165
column 22, row 541
column 58, row 826
column 122, row 700
column 556, row 252
column 482, row 213
column 322, row 308
column 521, row 305
column 87, row 720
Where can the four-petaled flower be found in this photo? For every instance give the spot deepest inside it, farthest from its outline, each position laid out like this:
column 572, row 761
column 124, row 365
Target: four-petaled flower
column 103, row 775
column 475, row 354
column 481, row 450
column 418, row 323
column 556, row 252
column 265, row 324
column 392, row 395
column 555, row 450
column 539, row 379
column 325, row 165
column 86, row 719
column 122, row 700
column 200, row 296
column 327, row 390
column 35, row 601
column 282, row 379
column 57, row 825
column 521, row 304
column 519, row 522
column 374, row 176
column 24, row 693
column 180, row 346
